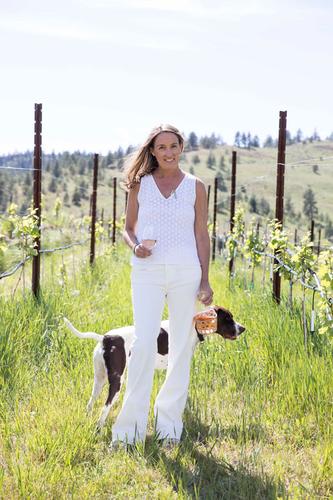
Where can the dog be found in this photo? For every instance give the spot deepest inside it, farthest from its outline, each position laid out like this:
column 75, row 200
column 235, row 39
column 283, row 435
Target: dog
column 113, row 350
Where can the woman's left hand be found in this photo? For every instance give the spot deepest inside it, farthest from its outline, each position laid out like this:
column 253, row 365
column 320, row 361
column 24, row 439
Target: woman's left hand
column 205, row 293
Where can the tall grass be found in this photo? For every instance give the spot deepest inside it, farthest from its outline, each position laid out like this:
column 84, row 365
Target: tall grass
column 258, row 423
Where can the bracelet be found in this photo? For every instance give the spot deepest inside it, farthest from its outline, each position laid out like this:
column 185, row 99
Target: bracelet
column 134, row 248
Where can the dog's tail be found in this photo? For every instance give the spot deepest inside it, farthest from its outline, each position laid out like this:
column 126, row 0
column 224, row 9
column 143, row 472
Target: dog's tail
column 85, row 335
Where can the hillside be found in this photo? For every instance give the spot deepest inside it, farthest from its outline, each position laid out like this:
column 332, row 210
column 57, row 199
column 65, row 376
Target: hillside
column 65, row 174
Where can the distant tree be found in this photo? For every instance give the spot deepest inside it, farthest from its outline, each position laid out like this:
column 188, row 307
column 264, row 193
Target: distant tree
column 264, row 207
column 84, row 190
column 82, row 168
column 244, row 140
column 289, row 208
column 130, row 150
column 209, row 142
column 76, row 198
column 255, row 142
column 211, row 161
column 299, row 136
column 330, row 137
column 310, row 208
column 119, row 153
column 253, row 204
column 222, row 163
column 28, row 180
column 56, row 169
column 269, row 143
column 237, row 141
column 314, row 136
column 109, row 158
column 315, row 169
column 192, row 170
column 66, row 200
column 193, row 142
column 221, row 186
column 195, row 159
column 248, row 140
column 289, row 139
column 52, row 185
column 328, row 227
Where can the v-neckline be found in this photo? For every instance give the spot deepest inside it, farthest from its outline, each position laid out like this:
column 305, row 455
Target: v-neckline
column 172, row 192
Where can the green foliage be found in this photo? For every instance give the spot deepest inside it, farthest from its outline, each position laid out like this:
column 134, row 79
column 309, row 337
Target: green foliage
column 236, row 237
column 26, row 231
column 253, row 245
column 325, row 273
column 303, row 259
column 279, row 243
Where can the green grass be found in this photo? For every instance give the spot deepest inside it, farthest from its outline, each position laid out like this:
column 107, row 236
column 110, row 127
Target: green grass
column 258, row 423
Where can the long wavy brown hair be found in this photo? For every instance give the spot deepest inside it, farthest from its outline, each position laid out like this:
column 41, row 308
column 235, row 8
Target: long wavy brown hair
column 143, row 162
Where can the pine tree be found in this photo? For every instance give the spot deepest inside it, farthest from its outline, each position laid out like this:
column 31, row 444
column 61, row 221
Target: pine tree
column 310, row 208
column 289, row 208
column 193, row 141
column 76, row 198
column 299, row 136
column 211, row 161
column 195, row 159
column 269, row 143
column 237, row 139
column 52, row 186
column 264, row 207
column 56, row 169
column 66, row 199
column 255, row 142
column 253, row 204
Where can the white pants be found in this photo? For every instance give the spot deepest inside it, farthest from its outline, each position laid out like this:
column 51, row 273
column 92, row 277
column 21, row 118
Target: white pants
column 151, row 285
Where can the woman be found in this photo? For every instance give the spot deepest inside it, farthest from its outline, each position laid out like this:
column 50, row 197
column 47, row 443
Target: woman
column 168, row 206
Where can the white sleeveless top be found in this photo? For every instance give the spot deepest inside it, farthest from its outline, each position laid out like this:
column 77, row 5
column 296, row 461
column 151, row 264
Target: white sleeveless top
column 172, row 220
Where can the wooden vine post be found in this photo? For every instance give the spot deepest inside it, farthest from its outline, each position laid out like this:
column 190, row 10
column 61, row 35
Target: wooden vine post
column 232, row 202
column 280, row 194
column 93, row 211
column 37, row 185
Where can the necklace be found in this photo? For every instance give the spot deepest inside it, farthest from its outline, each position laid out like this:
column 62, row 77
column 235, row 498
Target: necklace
column 168, row 189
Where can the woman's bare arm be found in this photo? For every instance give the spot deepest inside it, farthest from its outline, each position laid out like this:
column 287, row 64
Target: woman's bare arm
column 130, row 224
column 202, row 240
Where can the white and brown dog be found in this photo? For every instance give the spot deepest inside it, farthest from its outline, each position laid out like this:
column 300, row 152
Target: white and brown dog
column 113, row 350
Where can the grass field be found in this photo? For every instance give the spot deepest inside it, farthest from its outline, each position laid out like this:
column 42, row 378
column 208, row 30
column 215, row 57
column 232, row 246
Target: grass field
column 259, row 419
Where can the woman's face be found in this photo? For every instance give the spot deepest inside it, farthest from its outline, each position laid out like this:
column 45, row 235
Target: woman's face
column 167, row 150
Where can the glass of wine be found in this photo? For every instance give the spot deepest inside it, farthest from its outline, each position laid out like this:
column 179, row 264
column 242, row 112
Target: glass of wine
column 149, row 237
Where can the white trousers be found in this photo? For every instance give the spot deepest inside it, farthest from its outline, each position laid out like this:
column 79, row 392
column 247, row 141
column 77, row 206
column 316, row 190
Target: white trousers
column 151, row 285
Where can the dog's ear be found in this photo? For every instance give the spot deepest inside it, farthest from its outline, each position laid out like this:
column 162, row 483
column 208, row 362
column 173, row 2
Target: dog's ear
column 225, row 322
column 223, row 313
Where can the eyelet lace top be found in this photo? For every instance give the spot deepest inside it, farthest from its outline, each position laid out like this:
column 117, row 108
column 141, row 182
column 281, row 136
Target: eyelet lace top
column 172, row 220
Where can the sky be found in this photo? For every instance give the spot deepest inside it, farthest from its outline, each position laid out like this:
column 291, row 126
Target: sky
column 108, row 71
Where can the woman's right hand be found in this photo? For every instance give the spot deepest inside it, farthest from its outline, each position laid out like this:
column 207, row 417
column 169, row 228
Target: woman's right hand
column 142, row 252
